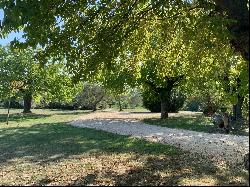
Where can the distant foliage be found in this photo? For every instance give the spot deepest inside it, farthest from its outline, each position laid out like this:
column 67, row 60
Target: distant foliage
column 13, row 103
column 193, row 104
column 90, row 97
column 134, row 99
column 210, row 105
column 58, row 105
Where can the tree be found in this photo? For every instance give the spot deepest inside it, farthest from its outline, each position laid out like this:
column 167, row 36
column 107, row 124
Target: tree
column 90, row 97
column 19, row 67
column 93, row 35
column 100, row 29
column 152, row 101
column 20, row 72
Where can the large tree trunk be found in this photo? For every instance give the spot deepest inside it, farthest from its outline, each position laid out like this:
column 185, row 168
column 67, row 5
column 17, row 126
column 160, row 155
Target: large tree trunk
column 238, row 11
column 165, row 94
column 237, row 109
column 27, row 98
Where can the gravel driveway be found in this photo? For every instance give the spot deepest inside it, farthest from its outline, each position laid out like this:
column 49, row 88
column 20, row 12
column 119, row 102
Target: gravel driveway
column 219, row 147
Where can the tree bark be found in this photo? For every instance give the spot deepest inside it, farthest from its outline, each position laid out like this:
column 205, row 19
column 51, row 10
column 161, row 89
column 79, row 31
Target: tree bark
column 8, row 115
column 27, row 98
column 120, row 105
column 237, row 109
column 226, row 122
column 165, row 94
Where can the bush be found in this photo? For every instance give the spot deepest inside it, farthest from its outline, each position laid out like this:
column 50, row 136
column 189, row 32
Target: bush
column 151, row 101
column 90, row 97
column 58, row 105
column 177, row 101
column 13, row 104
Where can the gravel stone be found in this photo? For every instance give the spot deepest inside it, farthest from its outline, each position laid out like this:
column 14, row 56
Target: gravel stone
column 222, row 147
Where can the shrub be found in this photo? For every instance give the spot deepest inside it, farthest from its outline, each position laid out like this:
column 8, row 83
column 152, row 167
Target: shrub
column 13, row 104
column 151, row 101
column 58, row 105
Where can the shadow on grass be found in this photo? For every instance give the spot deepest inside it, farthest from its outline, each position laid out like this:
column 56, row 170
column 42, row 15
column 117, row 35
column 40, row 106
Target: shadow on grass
column 52, row 142
column 72, row 112
column 198, row 123
column 21, row 116
column 168, row 171
column 126, row 113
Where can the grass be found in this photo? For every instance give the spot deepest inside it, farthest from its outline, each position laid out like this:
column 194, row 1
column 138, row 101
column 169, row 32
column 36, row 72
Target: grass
column 41, row 149
column 197, row 123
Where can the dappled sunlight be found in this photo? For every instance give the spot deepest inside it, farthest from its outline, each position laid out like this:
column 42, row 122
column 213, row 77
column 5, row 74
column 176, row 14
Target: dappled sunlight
column 220, row 147
column 202, row 181
column 54, row 153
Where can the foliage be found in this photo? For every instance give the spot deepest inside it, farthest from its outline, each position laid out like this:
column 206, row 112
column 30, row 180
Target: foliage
column 94, row 36
column 59, row 105
column 124, row 43
column 13, row 103
column 134, row 99
column 90, row 97
column 192, row 104
column 151, row 101
column 21, row 74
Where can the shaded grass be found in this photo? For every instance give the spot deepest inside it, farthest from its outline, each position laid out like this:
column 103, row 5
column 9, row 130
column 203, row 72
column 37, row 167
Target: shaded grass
column 42, row 141
column 194, row 123
column 47, row 151
column 199, row 123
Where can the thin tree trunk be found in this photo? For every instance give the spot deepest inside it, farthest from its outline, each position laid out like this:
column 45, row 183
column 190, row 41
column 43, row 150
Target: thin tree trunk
column 27, row 98
column 237, row 108
column 226, row 122
column 8, row 115
column 94, row 108
column 120, row 106
column 164, row 110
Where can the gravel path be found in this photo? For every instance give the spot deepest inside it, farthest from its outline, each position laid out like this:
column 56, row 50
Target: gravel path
column 220, row 147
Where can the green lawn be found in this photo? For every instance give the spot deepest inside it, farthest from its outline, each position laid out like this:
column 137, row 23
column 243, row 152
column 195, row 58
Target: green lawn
column 194, row 123
column 41, row 149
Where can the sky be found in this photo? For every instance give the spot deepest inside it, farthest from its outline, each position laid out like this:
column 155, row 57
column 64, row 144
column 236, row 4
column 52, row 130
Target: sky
column 11, row 36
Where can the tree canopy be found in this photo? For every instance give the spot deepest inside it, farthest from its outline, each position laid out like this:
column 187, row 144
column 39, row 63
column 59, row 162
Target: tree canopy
column 141, row 41
column 91, row 34
column 22, row 76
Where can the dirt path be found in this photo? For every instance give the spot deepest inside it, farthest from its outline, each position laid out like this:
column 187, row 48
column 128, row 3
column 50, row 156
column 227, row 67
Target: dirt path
column 220, row 147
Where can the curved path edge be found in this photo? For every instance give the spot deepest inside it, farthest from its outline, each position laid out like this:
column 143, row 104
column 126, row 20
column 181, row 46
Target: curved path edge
column 228, row 148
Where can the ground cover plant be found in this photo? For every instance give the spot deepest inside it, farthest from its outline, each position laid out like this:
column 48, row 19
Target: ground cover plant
column 42, row 149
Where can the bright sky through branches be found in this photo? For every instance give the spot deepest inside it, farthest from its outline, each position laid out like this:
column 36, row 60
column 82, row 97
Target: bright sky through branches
column 11, row 36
